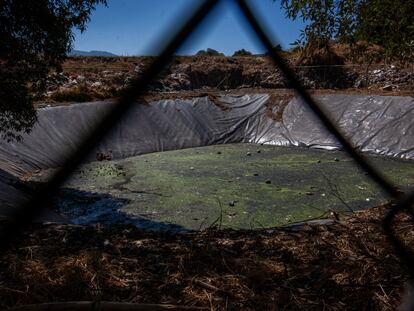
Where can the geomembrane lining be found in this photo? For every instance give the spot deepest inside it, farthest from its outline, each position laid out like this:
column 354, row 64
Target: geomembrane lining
column 374, row 124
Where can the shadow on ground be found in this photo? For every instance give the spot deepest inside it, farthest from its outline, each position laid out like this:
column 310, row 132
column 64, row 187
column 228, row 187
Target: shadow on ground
column 85, row 207
column 347, row 265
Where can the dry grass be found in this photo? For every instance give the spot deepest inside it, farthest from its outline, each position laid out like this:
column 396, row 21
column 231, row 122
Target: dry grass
column 347, row 265
column 218, row 73
column 78, row 94
column 83, row 93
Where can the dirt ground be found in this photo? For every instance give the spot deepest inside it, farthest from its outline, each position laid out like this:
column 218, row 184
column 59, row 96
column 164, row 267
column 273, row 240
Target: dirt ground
column 345, row 265
column 97, row 78
column 278, row 97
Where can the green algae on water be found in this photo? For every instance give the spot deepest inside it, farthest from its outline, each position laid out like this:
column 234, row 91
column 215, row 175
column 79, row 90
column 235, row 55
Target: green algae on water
column 239, row 185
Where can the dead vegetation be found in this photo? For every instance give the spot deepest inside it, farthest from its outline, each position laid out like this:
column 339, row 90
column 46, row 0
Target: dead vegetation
column 83, row 93
column 106, row 77
column 345, row 265
column 317, row 54
column 78, row 94
column 276, row 104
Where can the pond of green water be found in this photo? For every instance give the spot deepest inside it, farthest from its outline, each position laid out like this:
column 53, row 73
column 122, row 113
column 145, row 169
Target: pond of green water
column 234, row 186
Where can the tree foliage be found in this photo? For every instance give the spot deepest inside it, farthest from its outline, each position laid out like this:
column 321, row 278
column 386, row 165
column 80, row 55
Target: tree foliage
column 360, row 23
column 242, row 52
column 35, row 37
column 209, row 52
column 389, row 24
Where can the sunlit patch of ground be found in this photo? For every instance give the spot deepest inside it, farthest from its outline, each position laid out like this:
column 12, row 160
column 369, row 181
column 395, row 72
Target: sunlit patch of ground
column 231, row 186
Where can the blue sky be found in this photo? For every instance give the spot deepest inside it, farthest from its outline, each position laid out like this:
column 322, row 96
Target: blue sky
column 133, row 27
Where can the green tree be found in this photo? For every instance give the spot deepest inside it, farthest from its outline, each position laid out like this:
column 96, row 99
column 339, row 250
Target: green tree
column 209, row 52
column 389, row 24
column 242, row 52
column 360, row 23
column 35, row 38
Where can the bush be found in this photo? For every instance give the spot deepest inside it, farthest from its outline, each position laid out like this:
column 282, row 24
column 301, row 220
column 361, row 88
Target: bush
column 77, row 94
column 277, row 48
column 209, row 52
column 35, row 37
column 317, row 53
column 242, row 52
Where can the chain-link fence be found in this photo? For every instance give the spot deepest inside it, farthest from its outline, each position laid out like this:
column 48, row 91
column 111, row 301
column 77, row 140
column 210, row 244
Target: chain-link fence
column 139, row 86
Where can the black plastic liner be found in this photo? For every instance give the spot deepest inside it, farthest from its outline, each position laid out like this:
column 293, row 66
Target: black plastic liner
column 375, row 124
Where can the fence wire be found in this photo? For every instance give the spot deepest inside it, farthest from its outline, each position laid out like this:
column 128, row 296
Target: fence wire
column 24, row 214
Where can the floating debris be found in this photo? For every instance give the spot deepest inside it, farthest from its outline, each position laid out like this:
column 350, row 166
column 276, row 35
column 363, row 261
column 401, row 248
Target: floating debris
column 231, row 214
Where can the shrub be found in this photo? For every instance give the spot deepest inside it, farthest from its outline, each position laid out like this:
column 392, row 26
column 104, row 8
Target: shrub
column 77, row 94
column 242, row 52
column 209, row 52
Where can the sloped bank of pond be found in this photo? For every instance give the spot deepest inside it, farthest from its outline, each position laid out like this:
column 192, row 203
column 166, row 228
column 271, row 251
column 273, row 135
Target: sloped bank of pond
column 231, row 186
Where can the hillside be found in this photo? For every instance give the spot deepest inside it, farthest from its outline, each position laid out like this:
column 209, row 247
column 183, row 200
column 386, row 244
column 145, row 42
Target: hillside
column 74, row 53
column 89, row 78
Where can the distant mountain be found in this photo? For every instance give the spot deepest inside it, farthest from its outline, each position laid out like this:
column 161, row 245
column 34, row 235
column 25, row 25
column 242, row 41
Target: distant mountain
column 91, row 53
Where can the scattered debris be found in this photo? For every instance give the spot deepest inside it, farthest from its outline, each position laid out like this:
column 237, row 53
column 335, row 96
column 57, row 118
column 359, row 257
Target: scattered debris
column 387, row 87
column 104, row 156
column 107, row 77
column 231, row 214
column 342, row 265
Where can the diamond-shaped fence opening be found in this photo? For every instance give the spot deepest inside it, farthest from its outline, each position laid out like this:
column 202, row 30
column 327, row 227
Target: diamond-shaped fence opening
column 24, row 215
